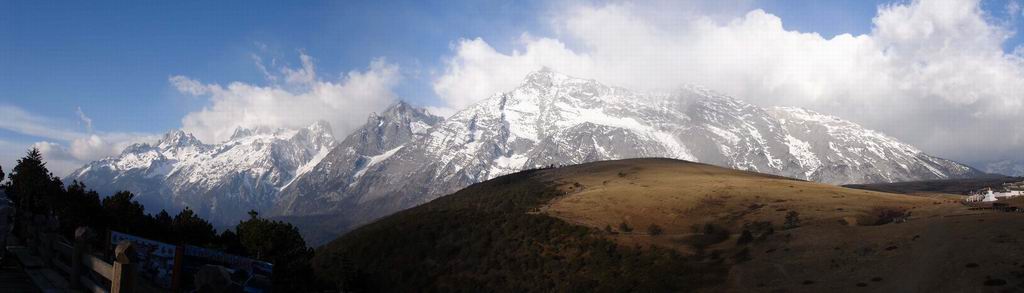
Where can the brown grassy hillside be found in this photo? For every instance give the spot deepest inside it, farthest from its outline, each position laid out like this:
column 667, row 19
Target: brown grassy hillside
column 642, row 224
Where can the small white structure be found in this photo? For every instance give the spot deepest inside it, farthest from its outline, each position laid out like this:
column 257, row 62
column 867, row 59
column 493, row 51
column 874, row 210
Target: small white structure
column 988, row 195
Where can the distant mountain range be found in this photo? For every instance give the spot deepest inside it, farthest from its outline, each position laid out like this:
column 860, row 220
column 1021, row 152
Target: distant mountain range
column 1005, row 167
column 404, row 156
column 221, row 182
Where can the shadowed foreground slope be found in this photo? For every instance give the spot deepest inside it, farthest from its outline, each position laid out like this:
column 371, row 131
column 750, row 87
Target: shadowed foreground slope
column 668, row 225
column 489, row 237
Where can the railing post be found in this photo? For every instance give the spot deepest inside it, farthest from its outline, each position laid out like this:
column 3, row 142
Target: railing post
column 83, row 238
column 123, row 280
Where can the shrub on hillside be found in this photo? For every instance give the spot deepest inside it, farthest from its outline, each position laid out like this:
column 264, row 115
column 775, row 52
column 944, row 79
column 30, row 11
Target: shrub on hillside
column 745, row 237
column 708, row 235
column 759, row 230
column 654, row 230
column 792, row 220
column 885, row 215
column 625, row 228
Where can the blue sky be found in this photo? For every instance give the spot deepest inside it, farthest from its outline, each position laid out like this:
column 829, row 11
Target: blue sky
column 113, row 59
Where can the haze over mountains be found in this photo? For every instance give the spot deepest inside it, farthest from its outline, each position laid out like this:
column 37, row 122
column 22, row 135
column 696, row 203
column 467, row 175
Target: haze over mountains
column 405, row 156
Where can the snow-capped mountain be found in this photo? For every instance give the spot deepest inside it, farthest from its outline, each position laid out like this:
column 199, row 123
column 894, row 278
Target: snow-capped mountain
column 221, row 182
column 1005, row 167
column 382, row 136
column 555, row 119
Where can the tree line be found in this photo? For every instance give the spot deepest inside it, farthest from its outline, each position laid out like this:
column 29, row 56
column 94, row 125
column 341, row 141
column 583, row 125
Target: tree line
column 31, row 187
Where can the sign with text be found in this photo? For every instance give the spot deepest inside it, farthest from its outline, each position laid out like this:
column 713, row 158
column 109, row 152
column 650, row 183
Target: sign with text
column 155, row 259
column 247, row 272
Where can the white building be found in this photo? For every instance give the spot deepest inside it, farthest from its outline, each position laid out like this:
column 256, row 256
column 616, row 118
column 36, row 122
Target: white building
column 990, row 195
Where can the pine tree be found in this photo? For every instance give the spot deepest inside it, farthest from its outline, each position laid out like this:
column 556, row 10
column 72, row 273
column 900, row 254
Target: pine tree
column 281, row 244
column 78, row 207
column 124, row 214
column 32, row 186
column 164, row 220
column 228, row 242
column 191, row 229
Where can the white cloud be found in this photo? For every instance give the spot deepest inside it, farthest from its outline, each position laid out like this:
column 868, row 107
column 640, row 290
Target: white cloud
column 18, row 120
column 302, row 100
column 479, row 71
column 64, row 149
column 188, row 85
column 59, row 159
column 1013, row 9
column 301, row 76
column 932, row 73
column 85, row 120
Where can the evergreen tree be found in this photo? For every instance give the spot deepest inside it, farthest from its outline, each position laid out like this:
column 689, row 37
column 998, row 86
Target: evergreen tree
column 2, row 180
column 279, row 243
column 32, row 187
column 79, row 206
column 191, row 229
column 164, row 220
column 229, row 242
column 124, row 214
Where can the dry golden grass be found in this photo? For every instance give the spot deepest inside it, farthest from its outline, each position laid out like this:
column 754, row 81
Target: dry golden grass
column 677, row 195
column 837, row 246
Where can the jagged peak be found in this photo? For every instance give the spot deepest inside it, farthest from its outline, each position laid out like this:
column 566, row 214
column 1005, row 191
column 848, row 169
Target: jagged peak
column 320, row 126
column 241, row 132
column 179, row 138
column 401, row 110
column 807, row 114
column 136, row 148
column 546, row 77
column 398, row 108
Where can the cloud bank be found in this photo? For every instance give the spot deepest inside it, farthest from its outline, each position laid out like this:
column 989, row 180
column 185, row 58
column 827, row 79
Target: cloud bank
column 301, row 99
column 64, row 148
column 932, row 73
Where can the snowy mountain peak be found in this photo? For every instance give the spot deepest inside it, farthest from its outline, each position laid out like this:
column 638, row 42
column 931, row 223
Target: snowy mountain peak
column 545, row 77
column 178, row 139
column 809, row 115
column 220, row 181
column 552, row 118
column 319, row 133
column 320, row 126
column 403, row 156
column 379, row 139
column 241, row 132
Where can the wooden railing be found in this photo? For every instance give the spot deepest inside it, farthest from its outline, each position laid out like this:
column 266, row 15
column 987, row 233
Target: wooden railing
column 41, row 238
